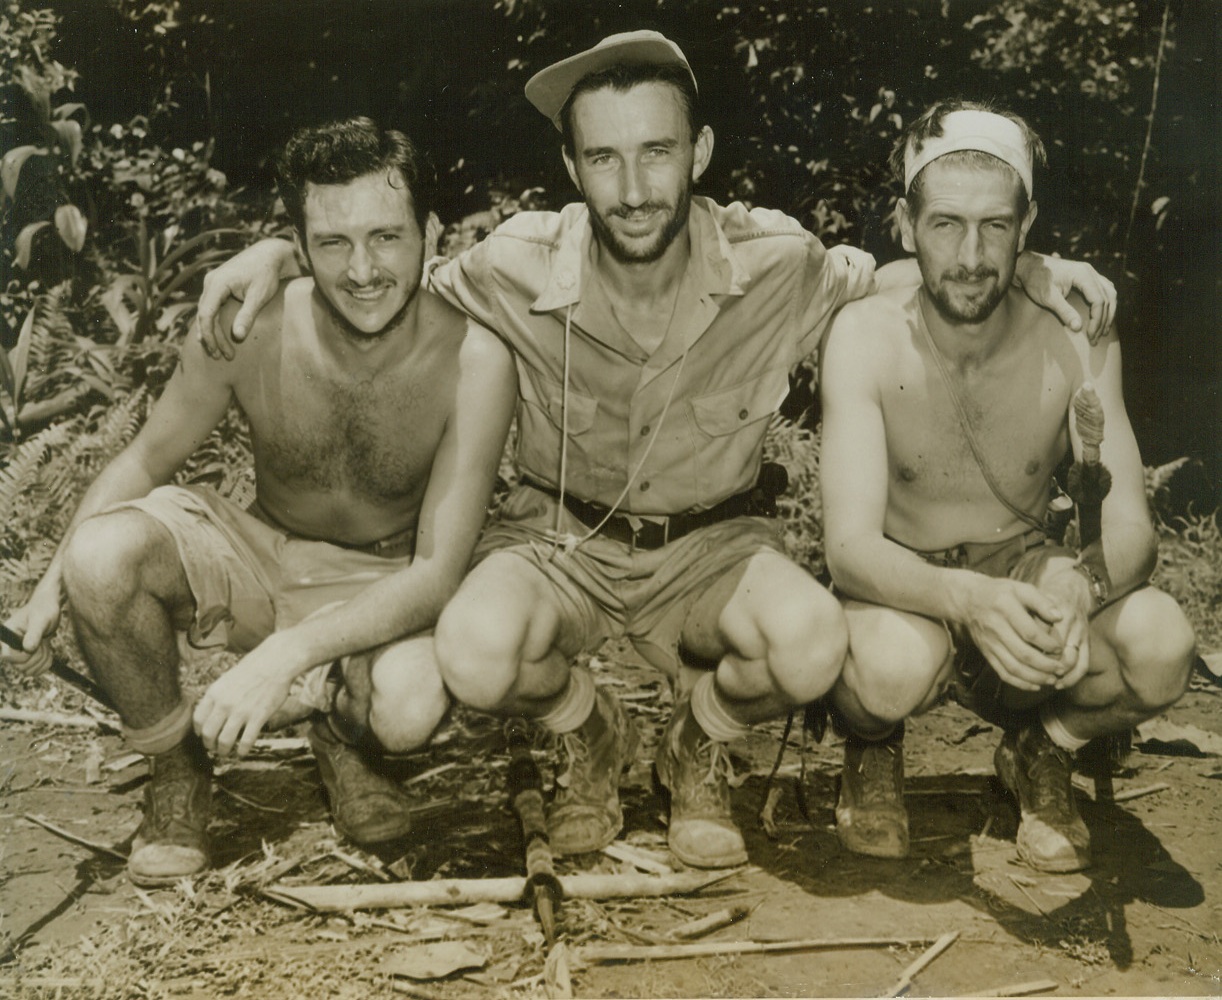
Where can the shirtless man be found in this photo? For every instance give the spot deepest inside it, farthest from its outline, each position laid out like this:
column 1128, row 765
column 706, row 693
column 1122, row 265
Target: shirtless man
column 654, row 331
column 377, row 417
column 950, row 581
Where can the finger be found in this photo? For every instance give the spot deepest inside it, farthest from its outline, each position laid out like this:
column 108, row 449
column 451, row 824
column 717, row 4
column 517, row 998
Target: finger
column 243, row 320
column 249, row 735
column 207, row 722
column 205, row 339
column 1066, row 313
column 1040, row 604
column 227, row 738
column 1011, row 670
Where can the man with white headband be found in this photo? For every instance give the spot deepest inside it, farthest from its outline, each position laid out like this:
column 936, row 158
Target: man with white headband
column 654, row 332
column 947, row 409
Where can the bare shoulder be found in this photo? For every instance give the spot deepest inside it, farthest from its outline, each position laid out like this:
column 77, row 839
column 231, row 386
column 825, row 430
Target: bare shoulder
column 269, row 321
column 877, row 320
column 477, row 348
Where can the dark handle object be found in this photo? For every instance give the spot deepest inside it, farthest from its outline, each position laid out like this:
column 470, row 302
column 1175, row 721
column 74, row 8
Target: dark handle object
column 526, row 795
column 61, row 670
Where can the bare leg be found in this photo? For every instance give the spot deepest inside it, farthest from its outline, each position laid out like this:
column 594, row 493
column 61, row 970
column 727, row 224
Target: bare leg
column 128, row 596
column 503, row 644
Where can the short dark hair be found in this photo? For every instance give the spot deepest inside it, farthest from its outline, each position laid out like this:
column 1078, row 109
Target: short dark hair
column 625, row 76
column 342, row 151
column 929, row 126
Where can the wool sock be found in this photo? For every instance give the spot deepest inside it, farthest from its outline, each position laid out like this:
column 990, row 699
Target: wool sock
column 712, row 714
column 163, row 735
column 1056, row 730
column 574, row 705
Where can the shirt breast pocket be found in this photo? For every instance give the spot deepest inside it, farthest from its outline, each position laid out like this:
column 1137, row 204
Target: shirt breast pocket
column 728, row 411
column 544, row 396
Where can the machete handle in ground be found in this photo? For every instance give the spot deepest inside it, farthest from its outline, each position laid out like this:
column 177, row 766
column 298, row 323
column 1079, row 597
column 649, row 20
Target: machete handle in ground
column 61, row 670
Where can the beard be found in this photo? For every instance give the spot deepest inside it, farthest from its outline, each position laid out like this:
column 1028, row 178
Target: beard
column 964, row 310
column 677, row 215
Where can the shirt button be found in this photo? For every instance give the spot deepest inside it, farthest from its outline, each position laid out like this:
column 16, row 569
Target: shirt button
column 742, row 414
column 644, row 430
column 645, row 486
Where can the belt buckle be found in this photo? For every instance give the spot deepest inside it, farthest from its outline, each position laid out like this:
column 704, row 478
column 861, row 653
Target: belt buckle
column 638, row 526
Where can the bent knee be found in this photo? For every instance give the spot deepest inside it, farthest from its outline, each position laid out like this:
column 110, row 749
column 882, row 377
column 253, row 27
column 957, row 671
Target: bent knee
column 807, row 639
column 1156, row 648
column 106, row 553
column 408, row 699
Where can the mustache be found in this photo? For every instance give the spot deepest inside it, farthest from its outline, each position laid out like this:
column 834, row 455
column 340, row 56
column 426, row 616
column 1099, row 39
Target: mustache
column 964, row 274
column 624, row 212
column 369, row 286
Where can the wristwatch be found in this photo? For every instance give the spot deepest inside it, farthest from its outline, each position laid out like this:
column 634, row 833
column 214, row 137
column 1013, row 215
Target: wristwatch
column 1099, row 589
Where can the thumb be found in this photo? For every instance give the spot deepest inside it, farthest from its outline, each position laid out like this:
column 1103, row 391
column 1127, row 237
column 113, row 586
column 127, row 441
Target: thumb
column 243, row 320
column 1066, row 313
column 1041, row 605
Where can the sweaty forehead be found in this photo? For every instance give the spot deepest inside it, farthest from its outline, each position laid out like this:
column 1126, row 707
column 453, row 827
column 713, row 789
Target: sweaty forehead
column 981, row 182
column 648, row 107
column 371, row 199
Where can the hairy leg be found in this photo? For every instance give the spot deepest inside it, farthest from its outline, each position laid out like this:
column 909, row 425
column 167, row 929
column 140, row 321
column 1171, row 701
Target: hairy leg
column 778, row 637
column 898, row 665
column 128, row 597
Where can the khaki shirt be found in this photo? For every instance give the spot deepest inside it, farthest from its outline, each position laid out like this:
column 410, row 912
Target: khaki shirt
column 756, row 298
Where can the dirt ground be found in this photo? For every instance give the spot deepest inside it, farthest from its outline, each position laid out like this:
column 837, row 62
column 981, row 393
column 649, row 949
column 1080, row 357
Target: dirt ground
column 1144, row 920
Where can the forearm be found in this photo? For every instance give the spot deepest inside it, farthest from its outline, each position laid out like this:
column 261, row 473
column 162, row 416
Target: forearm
column 1125, row 557
column 879, row 571
column 397, row 606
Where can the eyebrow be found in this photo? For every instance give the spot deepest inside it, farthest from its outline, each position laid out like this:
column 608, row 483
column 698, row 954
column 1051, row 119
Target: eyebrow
column 647, row 144
column 322, row 234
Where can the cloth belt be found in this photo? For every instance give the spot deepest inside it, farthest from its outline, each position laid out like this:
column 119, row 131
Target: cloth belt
column 651, row 534
column 394, row 546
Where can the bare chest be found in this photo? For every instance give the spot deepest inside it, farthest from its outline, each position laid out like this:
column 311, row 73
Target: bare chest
column 373, row 439
column 1017, row 419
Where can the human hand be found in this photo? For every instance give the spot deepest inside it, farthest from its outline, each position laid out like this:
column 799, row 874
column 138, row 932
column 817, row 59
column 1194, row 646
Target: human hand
column 1049, row 280
column 1014, row 626
column 860, row 269
column 253, row 277
column 237, row 705
column 34, row 624
column 1072, row 593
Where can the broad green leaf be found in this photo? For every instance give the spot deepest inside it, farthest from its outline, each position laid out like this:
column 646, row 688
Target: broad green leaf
column 10, row 166
column 24, row 243
column 72, row 227
column 21, row 357
column 70, row 138
column 191, row 244
column 115, row 300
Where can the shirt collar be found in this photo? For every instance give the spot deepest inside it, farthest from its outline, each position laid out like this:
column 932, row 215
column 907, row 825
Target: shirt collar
column 718, row 270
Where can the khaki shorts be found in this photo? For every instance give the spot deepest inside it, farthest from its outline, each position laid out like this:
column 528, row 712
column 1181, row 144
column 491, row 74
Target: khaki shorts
column 249, row 579
column 975, row 684
column 608, row 589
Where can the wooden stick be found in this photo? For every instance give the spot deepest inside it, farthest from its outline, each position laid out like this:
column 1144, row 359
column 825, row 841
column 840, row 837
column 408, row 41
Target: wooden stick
column 60, row 832
column 1136, row 793
column 936, row 949
column 458, row 891
column 1016, row 989
column 594, row 954
column 706, row 925
column 50, row 718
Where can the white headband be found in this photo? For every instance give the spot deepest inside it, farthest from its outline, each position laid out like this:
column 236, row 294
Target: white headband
column 979, row 130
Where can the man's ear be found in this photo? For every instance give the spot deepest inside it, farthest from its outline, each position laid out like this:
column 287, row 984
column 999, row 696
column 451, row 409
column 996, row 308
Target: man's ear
column 703, row 152
column 1025, row 225
column 303, row 257
column 571, row 166
column 903, row 215
column 432, row 235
